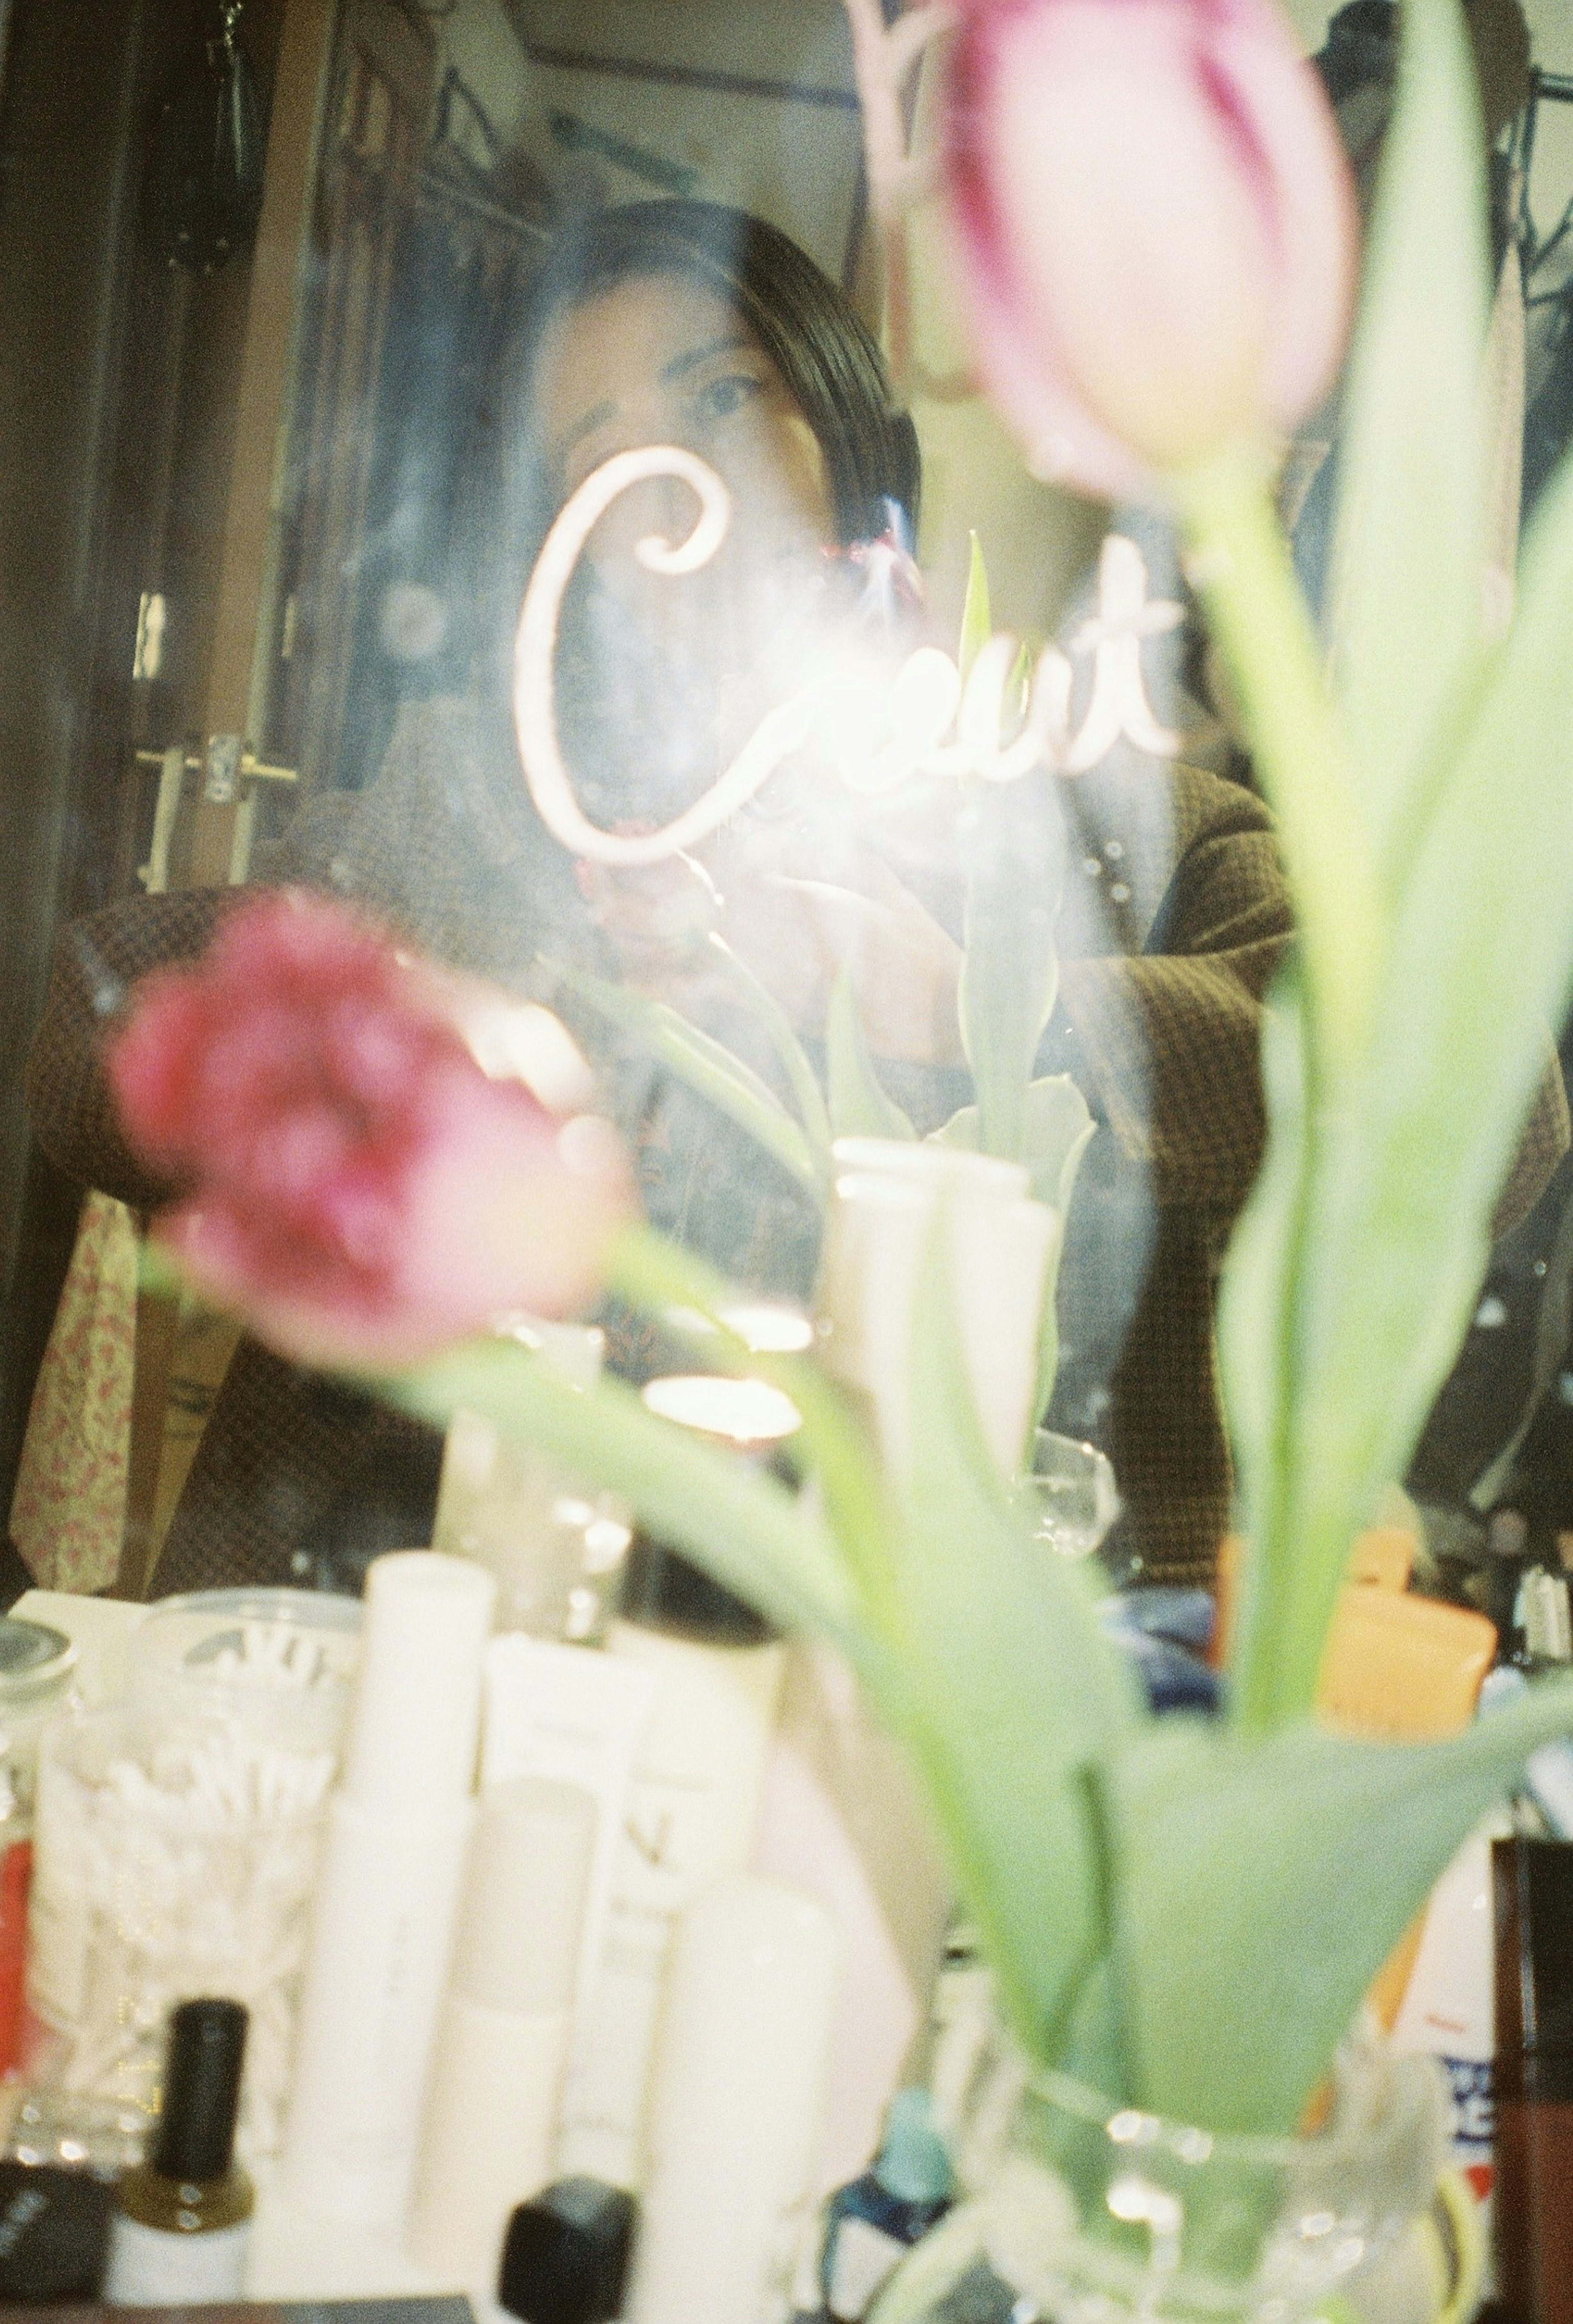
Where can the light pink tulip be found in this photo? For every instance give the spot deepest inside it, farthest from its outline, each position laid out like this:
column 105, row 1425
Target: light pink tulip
column 1157, row 226
column 369, row 1176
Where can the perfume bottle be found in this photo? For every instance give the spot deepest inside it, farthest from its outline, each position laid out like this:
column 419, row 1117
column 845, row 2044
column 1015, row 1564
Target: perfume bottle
column 872, row 2224
column 182, row 2220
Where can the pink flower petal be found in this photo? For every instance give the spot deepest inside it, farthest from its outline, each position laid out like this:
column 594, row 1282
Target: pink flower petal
column 364, row 1194
column 1157, row 227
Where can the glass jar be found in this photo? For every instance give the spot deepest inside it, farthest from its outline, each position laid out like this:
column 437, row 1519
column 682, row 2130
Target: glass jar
column 176, row 1853
column 1078, row 2212
column 38, row 1670
column 1070, row 1495
column 213, row 1651
column 555, row 1544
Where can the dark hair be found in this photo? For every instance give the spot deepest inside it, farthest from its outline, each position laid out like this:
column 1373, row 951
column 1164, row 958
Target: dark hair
column 824, row 352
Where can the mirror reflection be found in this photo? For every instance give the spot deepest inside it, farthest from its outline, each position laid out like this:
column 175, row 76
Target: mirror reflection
column 326, row 314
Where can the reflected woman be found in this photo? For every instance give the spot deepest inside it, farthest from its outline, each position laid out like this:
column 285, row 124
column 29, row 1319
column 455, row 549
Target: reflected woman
column 685, row 323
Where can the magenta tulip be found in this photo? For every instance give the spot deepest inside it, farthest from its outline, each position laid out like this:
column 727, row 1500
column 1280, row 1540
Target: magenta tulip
column 1157, row 226
column 369, row 1173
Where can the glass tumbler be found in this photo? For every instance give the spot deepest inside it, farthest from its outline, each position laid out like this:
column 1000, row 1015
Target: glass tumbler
column 1071, row 1495
column 176, row 1855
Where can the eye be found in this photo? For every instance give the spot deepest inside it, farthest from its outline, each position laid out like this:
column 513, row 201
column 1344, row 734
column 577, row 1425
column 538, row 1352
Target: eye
column 723, row 397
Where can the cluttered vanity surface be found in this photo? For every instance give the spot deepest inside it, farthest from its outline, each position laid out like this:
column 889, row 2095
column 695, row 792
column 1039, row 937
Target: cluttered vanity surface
column 786, row 1181
column 255, row 1840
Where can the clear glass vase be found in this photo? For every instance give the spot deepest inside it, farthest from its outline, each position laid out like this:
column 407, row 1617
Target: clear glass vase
column 1070, row 1494
column 1077, row 2212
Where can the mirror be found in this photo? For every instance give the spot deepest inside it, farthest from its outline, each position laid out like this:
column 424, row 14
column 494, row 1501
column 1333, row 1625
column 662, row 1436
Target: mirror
column 317, row 315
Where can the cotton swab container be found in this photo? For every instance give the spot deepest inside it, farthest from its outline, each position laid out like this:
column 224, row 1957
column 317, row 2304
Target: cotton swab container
column 176, row 1851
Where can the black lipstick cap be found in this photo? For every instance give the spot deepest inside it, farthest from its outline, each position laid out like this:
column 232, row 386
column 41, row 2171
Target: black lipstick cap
column 566, row 2254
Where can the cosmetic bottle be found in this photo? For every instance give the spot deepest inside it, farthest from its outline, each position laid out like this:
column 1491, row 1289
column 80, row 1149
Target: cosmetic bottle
column 555, row 1545
column 54, row 2233
column 566, row 2254
column 181, row 2223
column 872, row 2225
column 715, row 1670
column 736, row 2103
column 1447, row 2009
column 393, row 1864
column 576, row 1718
column 503, row 2038
column 843, row 1822
column 885, row 1201
column 1532, row 1883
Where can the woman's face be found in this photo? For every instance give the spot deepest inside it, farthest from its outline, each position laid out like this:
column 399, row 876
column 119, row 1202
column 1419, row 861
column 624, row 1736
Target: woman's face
column 663, row 359
column 684, row 665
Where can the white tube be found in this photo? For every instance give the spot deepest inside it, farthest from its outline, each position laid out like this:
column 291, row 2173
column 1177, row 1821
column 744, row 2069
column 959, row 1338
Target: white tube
column 382, row 1934
column 417, row 1711
column 736, row 2106
column 1449, row 2005
column 692, row 1814
column 885, row 1202
column 382, row 1926
column 577, row 1716
column 843, row 1822
column 502, row 2039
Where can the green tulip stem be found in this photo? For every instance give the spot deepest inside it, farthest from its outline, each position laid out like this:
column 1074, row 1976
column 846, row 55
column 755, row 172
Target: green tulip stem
column 661, row 1279
column 1241, row 565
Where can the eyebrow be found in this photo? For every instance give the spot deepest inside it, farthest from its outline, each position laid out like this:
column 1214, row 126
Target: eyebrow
column 680, row 365
column 598, row 414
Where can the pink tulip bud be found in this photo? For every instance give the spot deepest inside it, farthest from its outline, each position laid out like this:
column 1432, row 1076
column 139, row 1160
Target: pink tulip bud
column 1158, row 223
column 379, row 1157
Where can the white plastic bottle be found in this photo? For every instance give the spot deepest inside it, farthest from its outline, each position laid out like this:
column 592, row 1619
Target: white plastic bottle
column 843, row 1822
column 885, row 1201
column 691, row 1815
column 736, row 2106
column 502, row 2037
column 393, row 1864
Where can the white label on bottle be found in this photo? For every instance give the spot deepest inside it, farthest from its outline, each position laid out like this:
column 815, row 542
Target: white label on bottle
column 864, row 2257
column 691, row 1810
column 58, row 1926
column 157, row 2267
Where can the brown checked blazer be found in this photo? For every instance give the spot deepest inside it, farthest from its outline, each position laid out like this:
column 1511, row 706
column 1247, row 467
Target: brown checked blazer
column 1175, row 918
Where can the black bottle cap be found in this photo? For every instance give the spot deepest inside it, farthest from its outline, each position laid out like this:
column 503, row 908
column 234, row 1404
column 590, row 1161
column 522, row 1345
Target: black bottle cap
column 566, row 2254
column 54, row 2226
column 196, row 2135
column 1532, row 1886
column 660, row 1590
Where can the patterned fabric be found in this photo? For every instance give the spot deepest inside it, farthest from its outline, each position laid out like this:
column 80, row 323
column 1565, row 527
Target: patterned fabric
column 1175, row 919
column 68, row 1512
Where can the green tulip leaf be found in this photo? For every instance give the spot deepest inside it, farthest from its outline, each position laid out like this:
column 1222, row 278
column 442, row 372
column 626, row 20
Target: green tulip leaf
column 1056, row 1126
column 1409, row 561
column 1010, row 971
column 738, row 1522
column 1261, row 1883
column 977, row 619
column 1016, row 1691
column 707, row 1066
column 660, row 1278
column 1393, row 1227
column 1257, row 1357
column 777, row 1028
column 858, row 1105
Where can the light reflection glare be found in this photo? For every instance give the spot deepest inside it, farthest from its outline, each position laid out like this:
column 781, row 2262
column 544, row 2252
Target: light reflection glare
column 880, row 731
column 745, row 1412
column 1135, row 2201
column 765, row 1327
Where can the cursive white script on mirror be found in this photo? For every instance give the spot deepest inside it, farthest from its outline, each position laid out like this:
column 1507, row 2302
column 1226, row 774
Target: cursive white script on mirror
column 879, row 731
